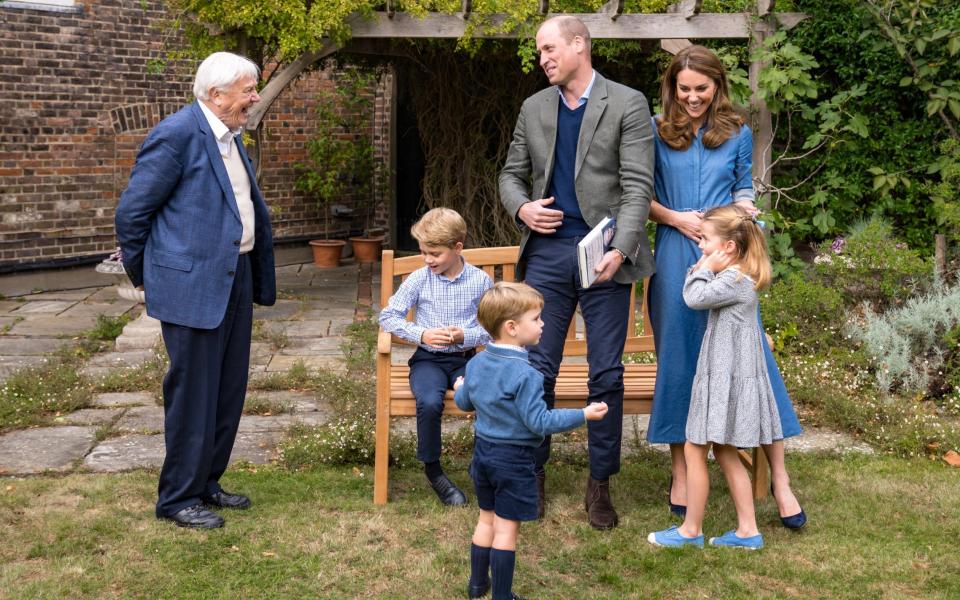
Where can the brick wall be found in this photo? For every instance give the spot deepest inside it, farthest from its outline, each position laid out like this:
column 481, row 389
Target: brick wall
column 78, row 93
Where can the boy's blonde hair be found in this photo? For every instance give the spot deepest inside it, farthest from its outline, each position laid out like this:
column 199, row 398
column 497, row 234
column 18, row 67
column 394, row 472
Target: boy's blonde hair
column 440, row 227
column 506, row 301
column 736, row 224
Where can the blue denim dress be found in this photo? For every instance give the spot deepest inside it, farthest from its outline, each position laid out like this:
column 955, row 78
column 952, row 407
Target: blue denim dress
column 694, row 179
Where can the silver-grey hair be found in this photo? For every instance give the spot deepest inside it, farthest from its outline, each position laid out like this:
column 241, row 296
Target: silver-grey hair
column 220, row 70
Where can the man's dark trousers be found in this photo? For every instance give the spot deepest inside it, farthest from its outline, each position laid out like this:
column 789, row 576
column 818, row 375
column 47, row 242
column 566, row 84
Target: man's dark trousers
column 431, row 375
column 203, row 395
column 551, row 268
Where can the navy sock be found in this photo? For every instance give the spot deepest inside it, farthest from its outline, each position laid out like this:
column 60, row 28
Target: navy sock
column 433, row 470
column 479, row 565
column 502, row 563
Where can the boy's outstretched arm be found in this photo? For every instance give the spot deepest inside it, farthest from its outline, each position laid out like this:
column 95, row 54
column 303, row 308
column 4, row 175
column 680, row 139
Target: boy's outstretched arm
column 534, row 413
column 461, row 397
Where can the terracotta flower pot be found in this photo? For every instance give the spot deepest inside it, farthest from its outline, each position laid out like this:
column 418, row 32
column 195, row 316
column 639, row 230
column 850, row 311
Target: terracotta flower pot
column 367, row 250
column 326, row 253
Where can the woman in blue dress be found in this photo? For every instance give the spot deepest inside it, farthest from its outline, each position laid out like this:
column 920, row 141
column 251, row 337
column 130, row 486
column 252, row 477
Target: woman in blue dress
column 703, row 159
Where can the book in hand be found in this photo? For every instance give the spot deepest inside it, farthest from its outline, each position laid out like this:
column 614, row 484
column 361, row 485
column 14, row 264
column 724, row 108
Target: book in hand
column 592, row 247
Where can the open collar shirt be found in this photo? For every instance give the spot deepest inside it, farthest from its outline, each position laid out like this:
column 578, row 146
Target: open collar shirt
column 440, row 302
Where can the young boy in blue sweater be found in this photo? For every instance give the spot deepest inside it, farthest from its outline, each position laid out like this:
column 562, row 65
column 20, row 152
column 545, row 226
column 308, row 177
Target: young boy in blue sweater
column 512, row 419
column 446, row 292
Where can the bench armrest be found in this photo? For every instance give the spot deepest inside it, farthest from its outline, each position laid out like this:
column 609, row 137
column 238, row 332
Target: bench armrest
column 384, row 342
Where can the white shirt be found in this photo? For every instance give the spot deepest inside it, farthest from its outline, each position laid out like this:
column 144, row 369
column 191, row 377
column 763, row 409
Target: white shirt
column 221, row 132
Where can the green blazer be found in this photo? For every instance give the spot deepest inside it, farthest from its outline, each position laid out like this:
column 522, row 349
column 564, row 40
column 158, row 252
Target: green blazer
column 613, row 174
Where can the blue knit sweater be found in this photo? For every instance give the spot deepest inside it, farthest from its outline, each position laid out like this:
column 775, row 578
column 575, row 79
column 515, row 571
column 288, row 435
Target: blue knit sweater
column 507, row 394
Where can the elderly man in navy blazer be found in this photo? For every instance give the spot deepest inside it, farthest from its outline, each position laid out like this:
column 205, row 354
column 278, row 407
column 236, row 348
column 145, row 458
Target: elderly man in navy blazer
column 195, row 235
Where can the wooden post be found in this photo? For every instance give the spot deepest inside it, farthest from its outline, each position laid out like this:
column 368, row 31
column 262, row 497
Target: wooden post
column 940, row 255
column 381, row 460
column 762, row 121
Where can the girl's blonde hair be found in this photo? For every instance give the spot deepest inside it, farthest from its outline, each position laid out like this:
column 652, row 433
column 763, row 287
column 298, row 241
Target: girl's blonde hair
column 736, row 224
column 674, row 126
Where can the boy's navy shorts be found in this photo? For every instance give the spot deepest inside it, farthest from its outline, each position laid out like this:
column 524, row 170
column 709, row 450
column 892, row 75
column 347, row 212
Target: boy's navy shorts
column 504, row 479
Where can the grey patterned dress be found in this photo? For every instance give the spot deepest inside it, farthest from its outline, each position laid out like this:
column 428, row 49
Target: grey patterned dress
column 731, row 401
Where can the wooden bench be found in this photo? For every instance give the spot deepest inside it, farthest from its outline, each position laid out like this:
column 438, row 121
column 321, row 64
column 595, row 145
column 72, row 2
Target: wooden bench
column 395, row 399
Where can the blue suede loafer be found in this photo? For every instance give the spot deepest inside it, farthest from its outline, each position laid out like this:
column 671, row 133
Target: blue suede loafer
column 731, row 540
column 672, row 538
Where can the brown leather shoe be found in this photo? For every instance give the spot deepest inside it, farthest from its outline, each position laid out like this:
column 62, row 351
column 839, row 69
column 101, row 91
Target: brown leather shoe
column 600, row 509
column 541, row 494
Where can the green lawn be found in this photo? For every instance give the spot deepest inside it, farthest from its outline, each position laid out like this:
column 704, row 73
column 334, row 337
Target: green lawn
column 880, row 527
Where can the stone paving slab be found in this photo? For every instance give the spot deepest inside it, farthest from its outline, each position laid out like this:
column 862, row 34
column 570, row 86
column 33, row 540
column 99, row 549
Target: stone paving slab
column 124, row 399
column 299, row 329
column 331, row 313
column 284, row 362
column 43, row 307
column 30, row 346
column 252, row 423
column 258, row 448
column 30, row 451
column 68, row 295
column 135, row 451
column 820, row 440
column 90, row 416
column 104, row 294
column 281, row 311
column 141, row 419
column 7, row 306
column 128, row 358
column 147, row 451
column 94, row 309
column 52, row 326
column 260, row 353
column 292, row 401
column 12, row 364
column 313, row 346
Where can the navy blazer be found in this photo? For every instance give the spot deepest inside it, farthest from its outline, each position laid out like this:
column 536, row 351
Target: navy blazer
column 179, row 227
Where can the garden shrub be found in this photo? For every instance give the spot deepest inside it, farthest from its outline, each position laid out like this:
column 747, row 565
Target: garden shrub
column 906, row 344
column 837, row 391
column 799, row 312
column 871, row 265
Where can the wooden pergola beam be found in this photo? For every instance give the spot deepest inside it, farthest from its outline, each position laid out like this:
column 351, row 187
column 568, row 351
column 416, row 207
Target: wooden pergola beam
column 601, row 26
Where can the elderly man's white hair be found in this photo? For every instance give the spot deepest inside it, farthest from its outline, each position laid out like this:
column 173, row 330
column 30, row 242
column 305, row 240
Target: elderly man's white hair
column 220, row 70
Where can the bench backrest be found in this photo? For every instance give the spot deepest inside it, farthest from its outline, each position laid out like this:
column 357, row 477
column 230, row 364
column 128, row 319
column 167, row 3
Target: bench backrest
column 499, row 263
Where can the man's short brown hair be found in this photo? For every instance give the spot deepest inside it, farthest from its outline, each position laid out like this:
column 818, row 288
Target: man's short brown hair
column 440, row 227
column 506, row 301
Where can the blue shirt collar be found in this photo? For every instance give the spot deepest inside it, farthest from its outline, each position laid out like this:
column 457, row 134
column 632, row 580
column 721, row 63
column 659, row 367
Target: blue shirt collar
column 586, row 93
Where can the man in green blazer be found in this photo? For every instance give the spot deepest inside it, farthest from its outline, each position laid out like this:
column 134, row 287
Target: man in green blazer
column 582, row 150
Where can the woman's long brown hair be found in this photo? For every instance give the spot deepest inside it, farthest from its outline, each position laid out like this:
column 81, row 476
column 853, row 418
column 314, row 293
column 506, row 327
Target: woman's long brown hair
column 675, row 126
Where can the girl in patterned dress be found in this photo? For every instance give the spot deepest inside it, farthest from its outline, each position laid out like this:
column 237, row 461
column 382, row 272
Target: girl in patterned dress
column 732, row 404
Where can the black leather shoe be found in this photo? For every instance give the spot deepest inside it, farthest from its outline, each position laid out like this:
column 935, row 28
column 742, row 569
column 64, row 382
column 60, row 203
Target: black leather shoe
column 477, row 591
column 448, row 492
column 196, row 516
column 226, row 500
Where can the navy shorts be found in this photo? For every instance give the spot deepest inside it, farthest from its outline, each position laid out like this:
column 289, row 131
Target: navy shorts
column 504, row 479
